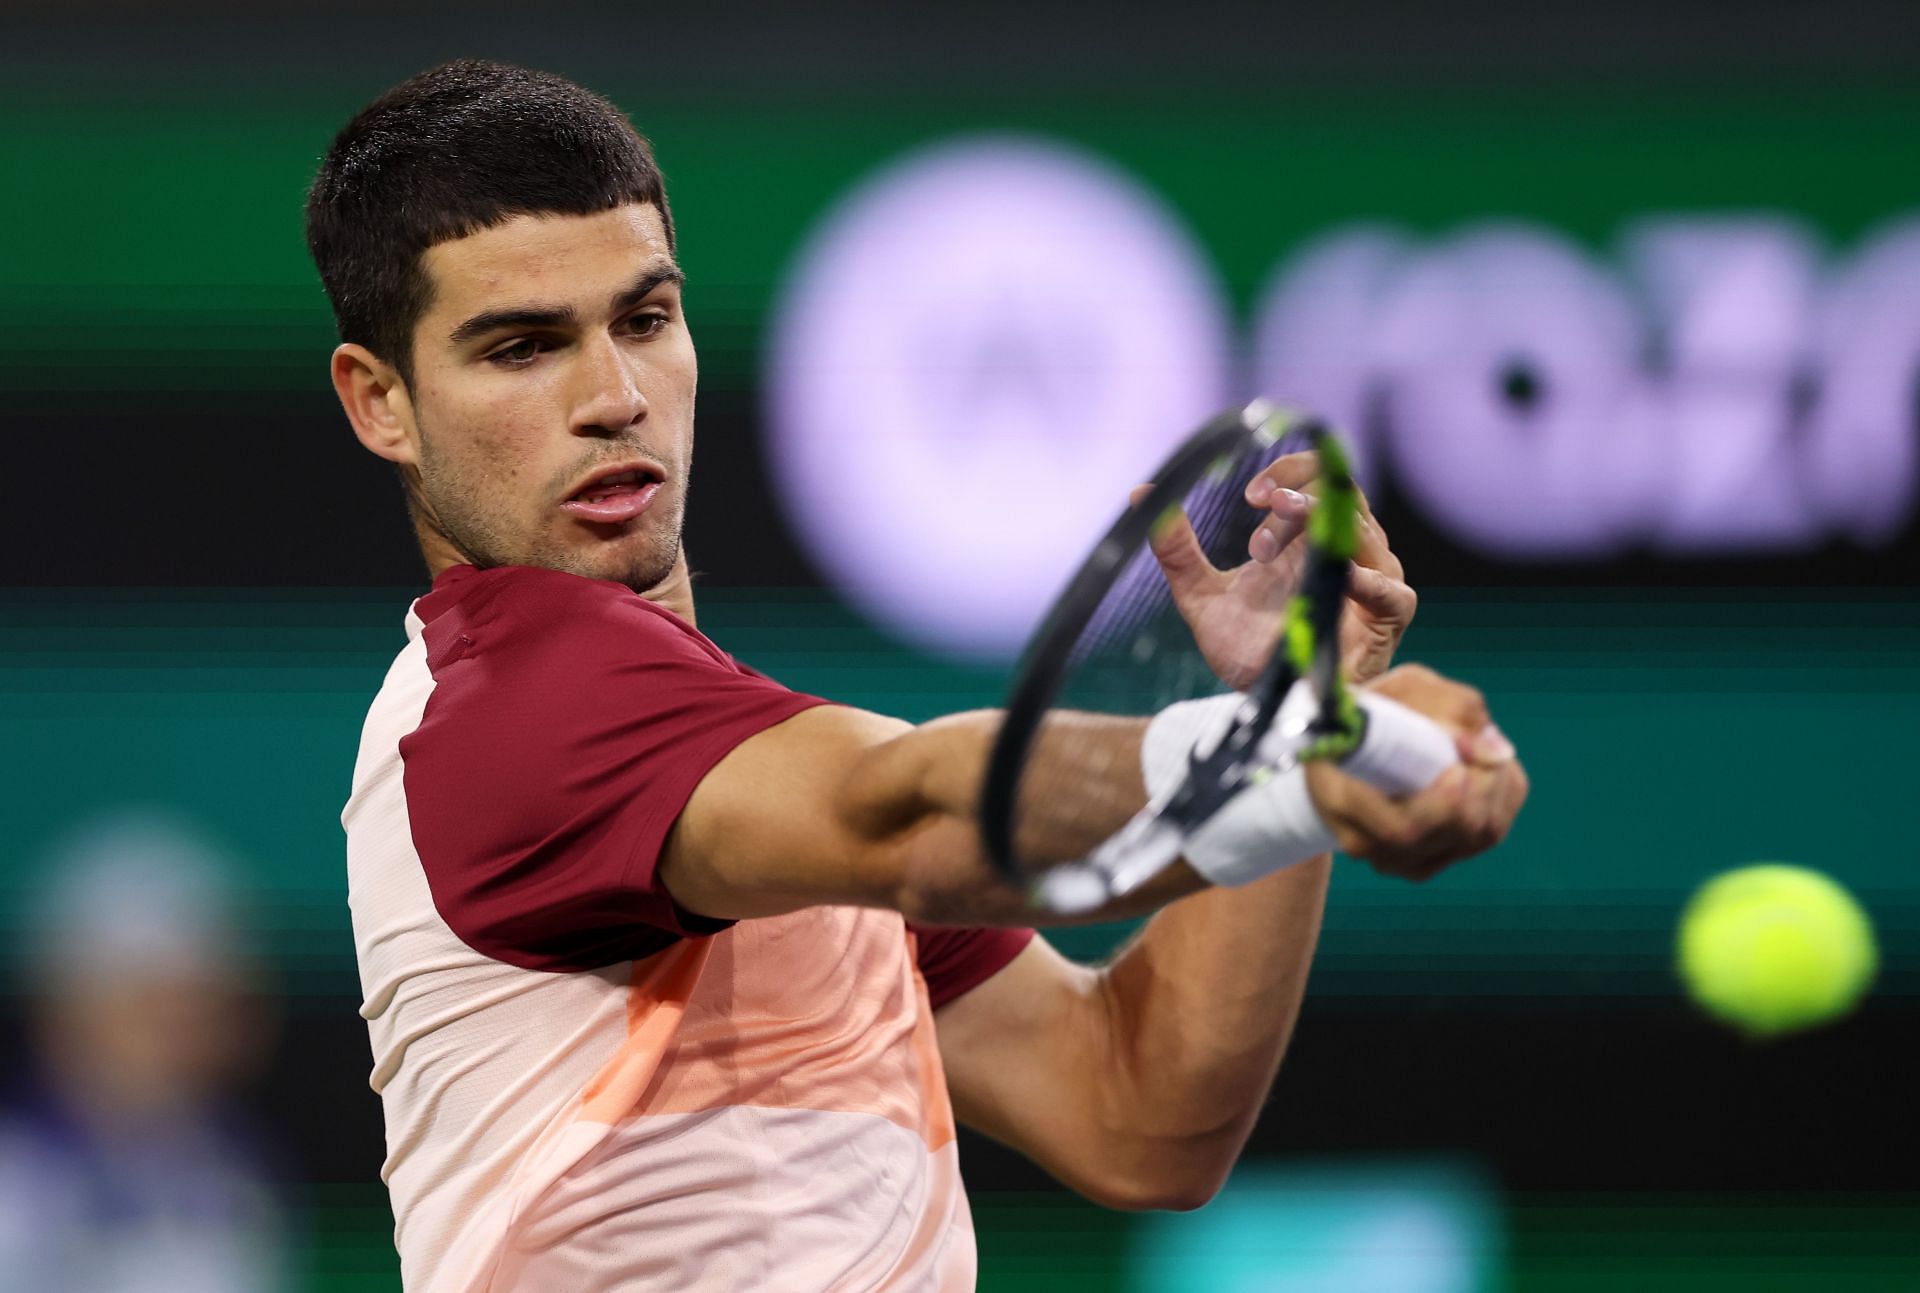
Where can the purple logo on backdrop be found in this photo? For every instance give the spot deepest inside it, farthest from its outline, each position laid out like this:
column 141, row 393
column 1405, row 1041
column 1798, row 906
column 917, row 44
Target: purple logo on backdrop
column 977, row 354
column 1719, row 387
column 988, row 342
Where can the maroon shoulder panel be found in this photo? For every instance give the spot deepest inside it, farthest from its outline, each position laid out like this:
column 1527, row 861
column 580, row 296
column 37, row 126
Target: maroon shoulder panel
column 956, row 961
column 569, row 723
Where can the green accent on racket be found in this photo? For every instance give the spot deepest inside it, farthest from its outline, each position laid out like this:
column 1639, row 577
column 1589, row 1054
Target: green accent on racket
column 1334, row 526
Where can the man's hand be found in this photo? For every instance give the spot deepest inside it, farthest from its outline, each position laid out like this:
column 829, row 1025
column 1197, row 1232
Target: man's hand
column 1232, row 612
column 1467, row 811
column 1380, row 602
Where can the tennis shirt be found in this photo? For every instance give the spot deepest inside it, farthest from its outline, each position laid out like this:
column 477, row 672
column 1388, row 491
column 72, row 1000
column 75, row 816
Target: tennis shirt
column 585, row 1086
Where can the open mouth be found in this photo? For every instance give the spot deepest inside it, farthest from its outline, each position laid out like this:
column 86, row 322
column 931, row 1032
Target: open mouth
column 621, row 482
column 613, row 496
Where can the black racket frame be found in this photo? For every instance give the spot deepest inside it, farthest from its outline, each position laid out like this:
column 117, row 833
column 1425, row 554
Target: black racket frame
column 1214, row 778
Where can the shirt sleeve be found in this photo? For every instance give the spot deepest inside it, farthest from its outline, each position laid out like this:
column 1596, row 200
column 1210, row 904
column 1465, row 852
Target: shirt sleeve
column 568, row 726
column 956, row 961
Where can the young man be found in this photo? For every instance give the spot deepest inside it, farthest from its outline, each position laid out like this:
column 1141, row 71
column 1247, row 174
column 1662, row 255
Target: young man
column 676, row 978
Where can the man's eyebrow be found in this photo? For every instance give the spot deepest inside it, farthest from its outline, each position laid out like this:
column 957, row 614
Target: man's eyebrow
column 645, row 285
column 560, row 316
column 519, row 316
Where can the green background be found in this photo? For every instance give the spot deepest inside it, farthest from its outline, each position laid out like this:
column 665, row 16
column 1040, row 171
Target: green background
column 161, row 242
column 154, row 248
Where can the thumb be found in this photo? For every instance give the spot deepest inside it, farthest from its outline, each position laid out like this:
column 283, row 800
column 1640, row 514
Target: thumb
column 1175, row 545
column 1489, row 747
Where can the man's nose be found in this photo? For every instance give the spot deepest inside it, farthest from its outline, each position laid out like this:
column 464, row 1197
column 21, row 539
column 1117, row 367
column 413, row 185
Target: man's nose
column 608, row 397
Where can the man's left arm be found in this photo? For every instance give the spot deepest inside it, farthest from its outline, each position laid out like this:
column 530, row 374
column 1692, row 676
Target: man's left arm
column 1137, row 1083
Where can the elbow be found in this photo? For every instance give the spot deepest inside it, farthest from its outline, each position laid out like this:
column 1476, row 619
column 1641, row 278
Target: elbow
column 1148, row 1189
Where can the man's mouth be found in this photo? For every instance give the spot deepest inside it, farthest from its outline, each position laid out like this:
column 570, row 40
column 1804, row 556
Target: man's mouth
column 611, row 497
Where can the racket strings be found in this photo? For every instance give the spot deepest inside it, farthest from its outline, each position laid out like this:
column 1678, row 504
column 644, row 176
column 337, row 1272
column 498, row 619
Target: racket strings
column 1135, row 656
column 1083, row 750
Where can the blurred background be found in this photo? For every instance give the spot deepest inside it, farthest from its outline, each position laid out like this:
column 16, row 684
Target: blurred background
column 1621, row 303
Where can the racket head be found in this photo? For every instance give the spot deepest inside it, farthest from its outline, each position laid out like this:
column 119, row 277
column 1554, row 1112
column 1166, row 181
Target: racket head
column 1114, row 642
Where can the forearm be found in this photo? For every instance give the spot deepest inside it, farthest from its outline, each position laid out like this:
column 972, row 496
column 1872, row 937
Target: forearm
column 1199, row 1010
column 917, row 798
column 1082, row 779
column 841, row 807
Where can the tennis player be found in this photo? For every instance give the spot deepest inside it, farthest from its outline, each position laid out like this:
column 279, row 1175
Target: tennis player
column 677, row 978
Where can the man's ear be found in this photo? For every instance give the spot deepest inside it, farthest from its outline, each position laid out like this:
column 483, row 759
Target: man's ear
column 376, row 402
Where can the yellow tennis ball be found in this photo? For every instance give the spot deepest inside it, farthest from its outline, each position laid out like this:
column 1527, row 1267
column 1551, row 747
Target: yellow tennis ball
column 1775, row 948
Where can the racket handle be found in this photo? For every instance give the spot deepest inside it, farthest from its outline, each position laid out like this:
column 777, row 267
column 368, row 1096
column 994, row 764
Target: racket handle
column 1402, row 750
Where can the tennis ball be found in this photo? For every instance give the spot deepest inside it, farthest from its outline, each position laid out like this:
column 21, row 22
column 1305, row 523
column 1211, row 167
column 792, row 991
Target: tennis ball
column 1775, row 948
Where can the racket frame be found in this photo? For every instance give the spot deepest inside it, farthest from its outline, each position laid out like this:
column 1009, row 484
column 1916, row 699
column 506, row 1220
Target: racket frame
column 1258, row 425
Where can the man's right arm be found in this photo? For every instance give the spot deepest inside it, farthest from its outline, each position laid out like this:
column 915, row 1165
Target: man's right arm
column 841, row 806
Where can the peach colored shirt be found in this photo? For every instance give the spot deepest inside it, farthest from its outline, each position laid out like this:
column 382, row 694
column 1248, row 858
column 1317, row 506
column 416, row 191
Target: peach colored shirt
column 585, row 1087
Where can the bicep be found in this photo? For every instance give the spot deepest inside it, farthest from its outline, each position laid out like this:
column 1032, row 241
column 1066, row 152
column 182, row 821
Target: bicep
column 767, row 829
column 837, row 806
column 1022, row 1053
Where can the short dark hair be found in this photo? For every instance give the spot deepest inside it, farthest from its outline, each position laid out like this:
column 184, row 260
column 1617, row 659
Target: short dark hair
column 456, row 149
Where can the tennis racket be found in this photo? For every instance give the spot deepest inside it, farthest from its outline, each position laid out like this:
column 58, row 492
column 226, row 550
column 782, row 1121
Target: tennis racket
column 1116, row 643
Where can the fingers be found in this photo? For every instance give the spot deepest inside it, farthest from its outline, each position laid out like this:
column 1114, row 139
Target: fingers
column 1379, row 609
column 1370, row 549
column 1179, row 549
column 1367, row 824
column 1469, row 810
column 1176, row 547
column 1382, row 596
column 1286, row 519
column 1488, row 748
column 1299, row 473
column 1289, row 471
column 1454, row 705
column 1510, row 796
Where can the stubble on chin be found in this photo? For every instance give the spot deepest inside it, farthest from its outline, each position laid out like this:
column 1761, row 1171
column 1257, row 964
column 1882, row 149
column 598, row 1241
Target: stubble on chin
column 457, row 510
column 641, row 561
column 662, row 552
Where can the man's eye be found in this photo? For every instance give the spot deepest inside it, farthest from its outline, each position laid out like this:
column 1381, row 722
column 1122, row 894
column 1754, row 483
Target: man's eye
column 520, row 352
column 647, row 324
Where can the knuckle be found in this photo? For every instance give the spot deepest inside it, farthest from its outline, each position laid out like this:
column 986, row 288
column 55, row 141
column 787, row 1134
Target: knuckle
column 1403, row 834
column 1408, row 678
column 1469, row 706
column 1483, row 813
column 1470, row 839
column 1350, row 841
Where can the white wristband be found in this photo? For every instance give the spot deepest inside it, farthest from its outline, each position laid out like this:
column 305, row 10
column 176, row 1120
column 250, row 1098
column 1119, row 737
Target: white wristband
column 1179, row 732
column 1266, row 828
column 1263, row 829
column 1274, row 823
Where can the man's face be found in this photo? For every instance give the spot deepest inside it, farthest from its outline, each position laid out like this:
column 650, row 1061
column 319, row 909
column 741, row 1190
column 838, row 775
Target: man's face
column 554, row 353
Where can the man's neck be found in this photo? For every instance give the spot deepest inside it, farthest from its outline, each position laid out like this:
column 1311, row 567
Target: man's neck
column 674, row 593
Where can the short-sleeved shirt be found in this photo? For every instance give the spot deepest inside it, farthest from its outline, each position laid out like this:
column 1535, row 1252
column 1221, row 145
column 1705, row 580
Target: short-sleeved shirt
column 585, row 1085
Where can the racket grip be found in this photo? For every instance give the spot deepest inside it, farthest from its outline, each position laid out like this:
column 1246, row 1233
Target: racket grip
column 1402, row 750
